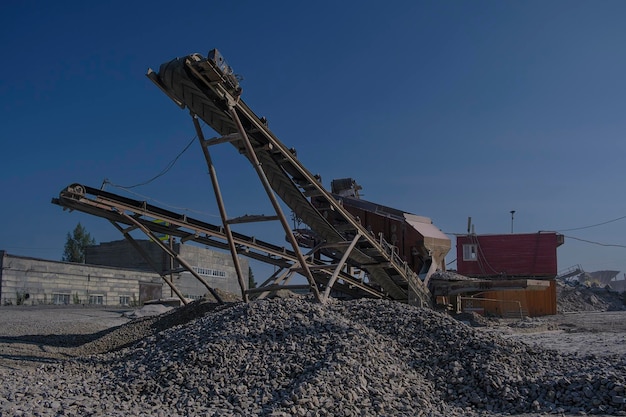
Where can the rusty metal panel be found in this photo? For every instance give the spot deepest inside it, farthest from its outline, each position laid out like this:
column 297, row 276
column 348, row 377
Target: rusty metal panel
column 532, row 303
column 408, row 241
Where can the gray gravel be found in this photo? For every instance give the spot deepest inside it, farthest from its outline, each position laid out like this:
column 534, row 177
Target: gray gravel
column 294, row 357
column 577, row 298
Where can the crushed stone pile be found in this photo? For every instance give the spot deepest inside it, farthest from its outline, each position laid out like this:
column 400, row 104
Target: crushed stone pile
column 574, row 298
column 147, row 325
column 295, row 357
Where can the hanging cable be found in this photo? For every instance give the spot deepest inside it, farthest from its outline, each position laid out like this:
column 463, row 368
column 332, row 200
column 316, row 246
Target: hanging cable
column 595, row 243
column 481, row 258
column 593, row 225
column 160, row 174
column 164, row 171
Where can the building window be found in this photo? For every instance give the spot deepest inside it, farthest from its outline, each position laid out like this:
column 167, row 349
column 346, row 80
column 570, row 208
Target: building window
column 470, row 252
column 194, row 297
column 124, row 300
column 96, row 299
column 59, row 298
column 209, row 272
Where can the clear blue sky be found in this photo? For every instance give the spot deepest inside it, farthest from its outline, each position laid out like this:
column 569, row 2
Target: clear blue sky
column 447, row 109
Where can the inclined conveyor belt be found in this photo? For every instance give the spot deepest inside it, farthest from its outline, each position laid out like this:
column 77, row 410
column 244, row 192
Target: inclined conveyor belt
column 201, row 86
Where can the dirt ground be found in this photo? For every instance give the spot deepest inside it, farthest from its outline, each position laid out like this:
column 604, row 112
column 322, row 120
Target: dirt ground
column 32, row 335
column 585, row 333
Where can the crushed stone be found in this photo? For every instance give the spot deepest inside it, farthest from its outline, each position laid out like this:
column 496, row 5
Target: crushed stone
column 295, row 357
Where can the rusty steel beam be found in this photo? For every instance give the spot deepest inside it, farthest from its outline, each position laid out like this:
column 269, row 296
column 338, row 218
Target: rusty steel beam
column 150, row 262
column 270, row 193
column 174, row 255
column 221, row 207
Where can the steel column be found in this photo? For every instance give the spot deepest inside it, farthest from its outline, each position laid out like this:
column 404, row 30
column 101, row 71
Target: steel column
column 274, row 201
column 174, row 255
column 220, row 205
column 343, row 260
column 149, row 260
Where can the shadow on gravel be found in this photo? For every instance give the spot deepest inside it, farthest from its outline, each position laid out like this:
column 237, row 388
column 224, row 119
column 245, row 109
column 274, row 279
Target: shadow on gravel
column 58, row 340
column 130, row 333
column 53, row 348
column 30, row 358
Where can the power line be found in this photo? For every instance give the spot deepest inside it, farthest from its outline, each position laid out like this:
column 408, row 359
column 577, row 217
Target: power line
column 596, row 243
column 160, row 174
column 593, row 225
column 164, row 171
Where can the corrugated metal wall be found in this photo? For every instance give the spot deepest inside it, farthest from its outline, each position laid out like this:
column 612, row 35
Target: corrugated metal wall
column 512, row 303
column 524, row 255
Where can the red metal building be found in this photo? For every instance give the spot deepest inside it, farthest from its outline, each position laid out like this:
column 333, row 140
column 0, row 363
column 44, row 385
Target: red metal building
column 529, row 261
column 528, row 255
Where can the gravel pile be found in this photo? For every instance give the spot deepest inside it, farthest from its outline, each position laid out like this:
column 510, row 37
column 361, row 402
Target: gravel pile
column 582, row 298
column 295, row 357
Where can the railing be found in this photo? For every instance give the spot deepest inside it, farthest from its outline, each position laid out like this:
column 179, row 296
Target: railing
column 570, row 272
column 412, row 278
column 519, row 304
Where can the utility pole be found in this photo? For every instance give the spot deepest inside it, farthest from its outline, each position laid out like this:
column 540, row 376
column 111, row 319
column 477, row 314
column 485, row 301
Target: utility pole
column 171, row 239
column 512, row 214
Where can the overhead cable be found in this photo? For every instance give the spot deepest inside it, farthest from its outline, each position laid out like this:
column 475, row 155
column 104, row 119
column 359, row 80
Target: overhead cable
column 596, row 243
column 160, row 174
column 593, row 225
column 164, row 171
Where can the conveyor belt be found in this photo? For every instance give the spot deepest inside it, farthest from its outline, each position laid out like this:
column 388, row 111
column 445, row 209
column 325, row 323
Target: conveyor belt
column 117, row 208
column 199, row 84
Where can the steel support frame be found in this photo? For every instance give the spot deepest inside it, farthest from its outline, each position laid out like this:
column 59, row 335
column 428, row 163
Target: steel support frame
column 173, row 255
column 270, row 193
column 149, row 260
column 221, row 207
column 278, row 281
column 340, row 265
column 134, row 214
column 401, row 267
column 198, row 84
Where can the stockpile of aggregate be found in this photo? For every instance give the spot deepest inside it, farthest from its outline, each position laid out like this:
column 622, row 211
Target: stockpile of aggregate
column 295, row 357
column 576, row 298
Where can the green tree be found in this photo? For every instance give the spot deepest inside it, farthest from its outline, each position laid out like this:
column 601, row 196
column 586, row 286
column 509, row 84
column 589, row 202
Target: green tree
column 251, row 281
column 76, row 243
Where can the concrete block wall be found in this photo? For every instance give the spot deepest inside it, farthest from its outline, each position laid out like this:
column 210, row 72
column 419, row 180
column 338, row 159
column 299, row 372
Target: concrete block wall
column 122, row 254
column 49, row 282
column 117, row 279
column 216, row 268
